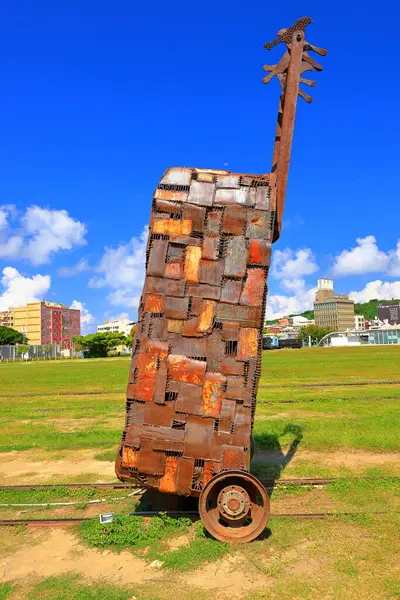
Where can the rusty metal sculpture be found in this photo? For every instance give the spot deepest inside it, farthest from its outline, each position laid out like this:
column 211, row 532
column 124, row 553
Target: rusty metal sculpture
column 197, row 350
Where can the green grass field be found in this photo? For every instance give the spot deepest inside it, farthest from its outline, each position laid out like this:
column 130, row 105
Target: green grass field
column 320, row 413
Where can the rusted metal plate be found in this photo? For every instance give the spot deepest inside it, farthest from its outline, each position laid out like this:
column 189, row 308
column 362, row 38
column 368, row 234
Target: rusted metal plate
column 167, row 207
column 158, row 253
column 204, row 291
column 213, row 224
column 191, row 328
column 168, row 480
column 146, row 376
column 212, row 394
column 236, row 257
column 210, row 248
column 254, row 287
column 227, row 181
column 259, row 252
column 199, row 431
column 231, row 290
column 258, row 222
column 185, row 475
column 172, row 227
column 230, row 330
column 233, row 458
column 174, row 269
column 211, row 272
column 248, row 315
column 176, row 308
column 150, row 462
column 201, row 193
column 154, row 303
column 188, row 399
column 206, row 317
column 184, row 369
column 195, row 305
column 230, row 366
column 129, row 457
column 227, row 416
column 235, row 388
column 235, row 220
column 192, row 264
column 195, row 214
column 248, row 343
column 174, row 288
column 177, row 176
column 174, row 326
column 155, row 414
column 232, row 196
column 171, row 195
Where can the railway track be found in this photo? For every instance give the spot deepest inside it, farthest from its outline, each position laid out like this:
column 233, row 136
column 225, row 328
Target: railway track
column 266, row 481
column 52, row 523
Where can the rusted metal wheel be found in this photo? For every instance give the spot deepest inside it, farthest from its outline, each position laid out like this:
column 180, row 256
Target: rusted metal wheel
column 234, row 507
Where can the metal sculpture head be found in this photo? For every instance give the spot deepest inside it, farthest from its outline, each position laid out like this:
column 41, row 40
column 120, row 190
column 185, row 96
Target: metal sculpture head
column 295, row 34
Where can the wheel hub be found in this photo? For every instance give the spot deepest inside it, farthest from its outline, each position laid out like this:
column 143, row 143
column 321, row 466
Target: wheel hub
column 233, row 502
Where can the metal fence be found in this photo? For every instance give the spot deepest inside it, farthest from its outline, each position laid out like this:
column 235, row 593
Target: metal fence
column 41, row 352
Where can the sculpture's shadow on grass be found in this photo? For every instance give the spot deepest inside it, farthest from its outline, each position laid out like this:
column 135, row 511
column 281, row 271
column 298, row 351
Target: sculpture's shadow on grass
column 270, row 459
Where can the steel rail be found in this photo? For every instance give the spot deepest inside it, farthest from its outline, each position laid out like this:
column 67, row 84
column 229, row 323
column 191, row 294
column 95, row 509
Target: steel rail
column 151, row 513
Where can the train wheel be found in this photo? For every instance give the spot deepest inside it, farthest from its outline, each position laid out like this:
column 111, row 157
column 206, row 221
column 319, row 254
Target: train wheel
column 234, row 507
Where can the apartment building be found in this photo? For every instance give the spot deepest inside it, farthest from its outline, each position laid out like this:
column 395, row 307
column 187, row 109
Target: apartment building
column 116, row 326
column 47, row 323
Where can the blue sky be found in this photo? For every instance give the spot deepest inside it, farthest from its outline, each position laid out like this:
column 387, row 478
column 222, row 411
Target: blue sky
column 99, row 98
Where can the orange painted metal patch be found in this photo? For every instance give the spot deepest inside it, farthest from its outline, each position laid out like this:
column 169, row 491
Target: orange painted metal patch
column 248, row 343
column 212, row 394
column 129, row 457
column 154, row 303
column 254, row 287
column 147, row 374
column 206, row 317
column 174, row 270
column 192, row 263
column 170, row 195
column 168, row 480
column 186, row 369
column 156, row 347
column 172, row 226
column 174, row 326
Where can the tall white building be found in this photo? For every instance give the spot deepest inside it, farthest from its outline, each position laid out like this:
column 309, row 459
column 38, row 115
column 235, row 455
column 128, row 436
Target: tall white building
column 116, row 326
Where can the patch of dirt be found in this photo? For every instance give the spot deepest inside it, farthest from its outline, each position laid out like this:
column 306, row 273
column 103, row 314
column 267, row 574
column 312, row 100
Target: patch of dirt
column 356, row 458
column 178, row 542
column 19, row 467
column 61, row 552
column 233, row 574
column 84, row 423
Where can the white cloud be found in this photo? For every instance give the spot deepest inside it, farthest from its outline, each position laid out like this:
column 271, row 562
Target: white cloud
column 18, row 290
column 123, row 270
column 367, row 258
column 364, row 258
column 394, row 261
column 302, row 299
column 290, row 264
column 39, row 233
column 379, row 290
column 121, row 317
column 87, row 320
column 81, row 266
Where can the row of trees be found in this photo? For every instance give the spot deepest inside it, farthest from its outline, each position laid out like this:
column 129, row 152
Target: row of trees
column 10, row 337
column 96, row 345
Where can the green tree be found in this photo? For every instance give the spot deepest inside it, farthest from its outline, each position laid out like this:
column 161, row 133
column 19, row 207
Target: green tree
column 22, row 349
column 99, row 344
column 314, row 331
column 129, row 339
column 10, row 337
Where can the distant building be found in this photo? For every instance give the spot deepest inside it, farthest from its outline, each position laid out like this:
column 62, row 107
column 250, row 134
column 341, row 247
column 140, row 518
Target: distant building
column 299, row 321
column 389, row 313
column 283, row 322
column 359, row 323
column 47, row 323
column 7, row 318
column 116, row 326
column 332, row 310
column 325, row 290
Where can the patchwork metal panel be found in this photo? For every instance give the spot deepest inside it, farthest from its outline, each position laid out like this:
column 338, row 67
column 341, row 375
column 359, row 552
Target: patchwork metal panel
column 195, row 365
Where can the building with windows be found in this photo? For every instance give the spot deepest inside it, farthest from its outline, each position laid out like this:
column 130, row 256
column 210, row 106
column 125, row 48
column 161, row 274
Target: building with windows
column 116, row 326
column 332, row 310
column 7, row 318
column 47, row 323
column 359, row 322
column 325, row 290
